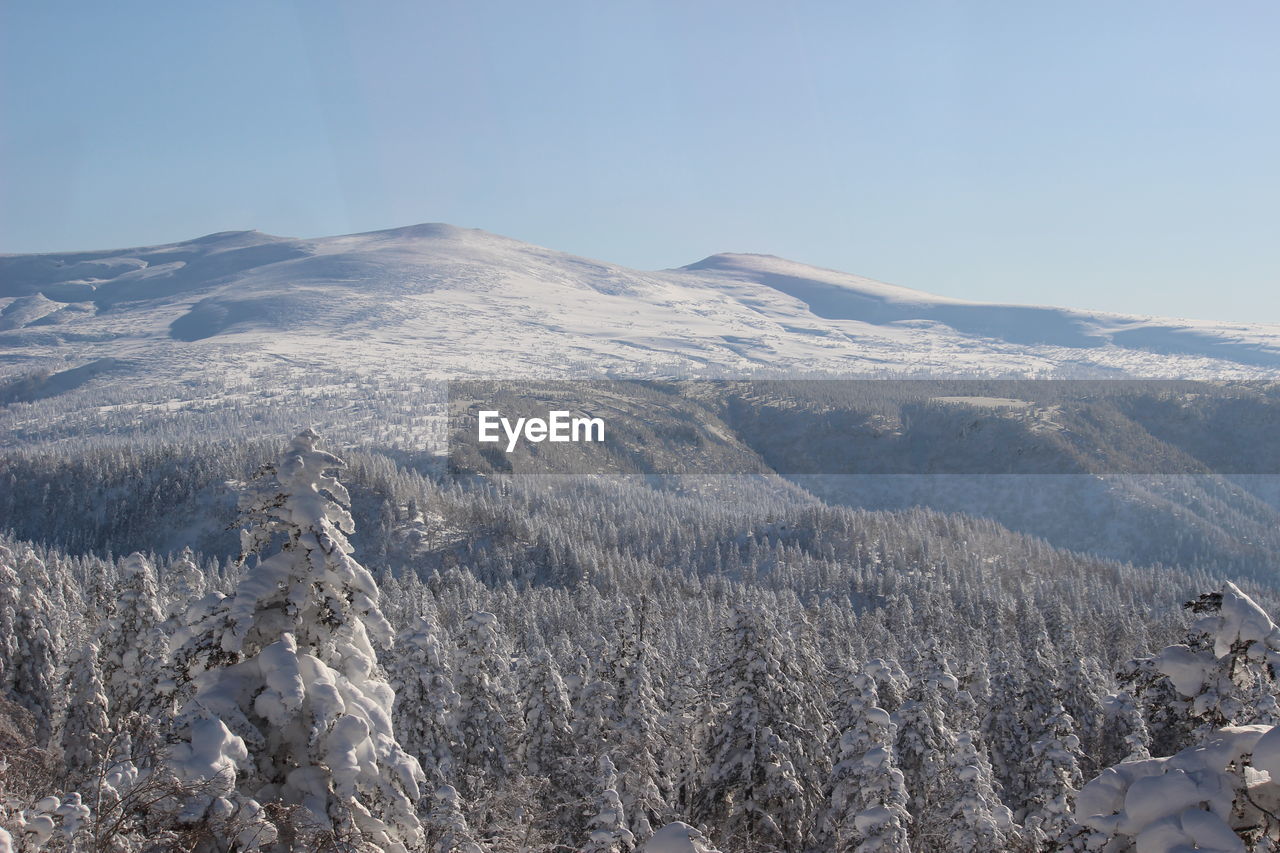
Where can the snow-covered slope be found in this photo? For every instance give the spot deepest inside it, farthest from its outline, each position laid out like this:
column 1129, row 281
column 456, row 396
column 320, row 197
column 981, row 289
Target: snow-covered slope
column 446, row 300
column 236, row 317
column 243, row 335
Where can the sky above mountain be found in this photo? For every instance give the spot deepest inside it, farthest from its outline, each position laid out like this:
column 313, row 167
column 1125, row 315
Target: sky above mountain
column 1094, row 155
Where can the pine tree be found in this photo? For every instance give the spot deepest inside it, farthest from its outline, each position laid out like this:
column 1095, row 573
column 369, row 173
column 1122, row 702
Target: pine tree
column 446, row 827
column 134, row 644
column 976, row 819
column 1219, row 792
column 547, row 750
column 488, row 778
column 485, row 700
column 427, row 705
column 1124, row 733
column 596, row 702
column 10, row 606
column 1083, row 689
column 28, row 639
column 86, row 728
column 1004, row 730
column 285, row 682
column 688, row 723
column 636, row 735
column 759, row 789
column 1039, row 706
column 1054, row 773
column 547, row 742
column 607, row 828
column 924, row 745
column 185, row 584
column 868, row 799
column 1230, row 665
column 890, row 681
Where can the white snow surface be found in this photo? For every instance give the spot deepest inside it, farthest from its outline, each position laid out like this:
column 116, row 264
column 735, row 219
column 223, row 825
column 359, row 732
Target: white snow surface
column 677, row 837
column 1170, row 805
column 436, row 300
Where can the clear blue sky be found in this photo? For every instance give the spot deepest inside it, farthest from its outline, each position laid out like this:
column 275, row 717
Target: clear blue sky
column 1114, row 155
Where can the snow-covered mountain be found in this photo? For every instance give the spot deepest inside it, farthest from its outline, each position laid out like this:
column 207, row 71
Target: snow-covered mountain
column 248, row 334
column 440, row 300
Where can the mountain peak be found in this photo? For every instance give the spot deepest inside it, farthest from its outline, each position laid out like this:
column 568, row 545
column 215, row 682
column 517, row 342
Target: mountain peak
column 428, row 230
column 732, row 261
column 219, row 236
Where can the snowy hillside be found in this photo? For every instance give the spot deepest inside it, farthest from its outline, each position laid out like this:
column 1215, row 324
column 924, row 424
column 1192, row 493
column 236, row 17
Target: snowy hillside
column 176, row 339
column 243, row 336
column 427, row 298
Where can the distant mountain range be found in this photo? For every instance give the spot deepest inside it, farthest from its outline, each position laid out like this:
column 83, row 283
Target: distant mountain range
column 435, row 300
column 242, row 336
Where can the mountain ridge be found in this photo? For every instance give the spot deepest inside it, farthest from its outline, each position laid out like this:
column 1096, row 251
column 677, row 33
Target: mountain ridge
column 245, row 336
column 434, row 300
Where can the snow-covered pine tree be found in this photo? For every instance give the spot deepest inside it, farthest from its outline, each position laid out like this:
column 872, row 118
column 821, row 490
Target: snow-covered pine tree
column 10, row 606
column 1220, row 793
column 134, row 645
column 1038, row 703
column 924, row 743
column 868, row 797
column 184, row 585
column 1124, row 732
column 28, row 639
column 607, row 827
column 446, row 827
column 485, row 757
column 1054, row 773
column 1229, row 668
column 1164, row 712
column 954, row 800
column 481, row 680
column 977, row 821
column 688, row 721
column 891, row 682
column 99, row 597
column 636, row 737
column 85, row 733
column 426, row 706
column 1003, row 728
column 547, row 750
column 286, row 701
column 547, row 741
column 1083, row 689
column 758, row 791
column 595, row 704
